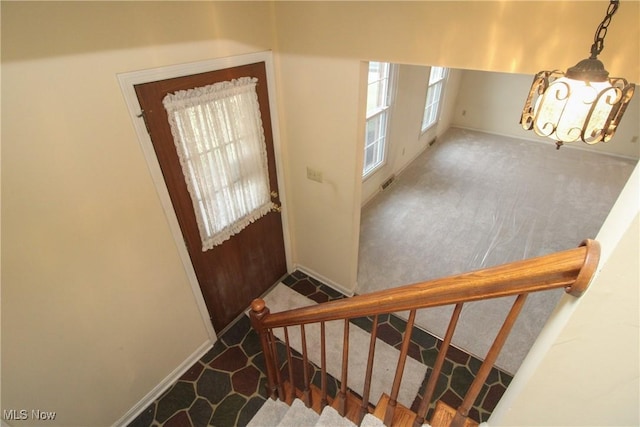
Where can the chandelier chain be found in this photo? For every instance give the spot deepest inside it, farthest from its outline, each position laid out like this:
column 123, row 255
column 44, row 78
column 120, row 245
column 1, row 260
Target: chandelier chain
column 601, row 32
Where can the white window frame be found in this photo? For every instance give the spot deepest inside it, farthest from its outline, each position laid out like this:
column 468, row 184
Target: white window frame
column 435, row 94
column 380, row 111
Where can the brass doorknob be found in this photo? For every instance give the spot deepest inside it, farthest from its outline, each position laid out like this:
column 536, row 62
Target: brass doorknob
column 276, row 208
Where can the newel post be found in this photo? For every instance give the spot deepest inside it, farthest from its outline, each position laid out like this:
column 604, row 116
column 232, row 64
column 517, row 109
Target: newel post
column 258, row 312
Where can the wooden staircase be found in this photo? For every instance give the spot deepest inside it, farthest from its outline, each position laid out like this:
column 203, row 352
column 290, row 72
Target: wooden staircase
column 571, row 270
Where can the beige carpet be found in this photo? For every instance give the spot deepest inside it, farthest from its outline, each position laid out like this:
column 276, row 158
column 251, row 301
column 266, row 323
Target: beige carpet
column 283, row 298
column 476, row 200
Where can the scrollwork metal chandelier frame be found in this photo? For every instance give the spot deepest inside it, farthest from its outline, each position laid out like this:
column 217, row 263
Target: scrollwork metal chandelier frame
column 584, row 104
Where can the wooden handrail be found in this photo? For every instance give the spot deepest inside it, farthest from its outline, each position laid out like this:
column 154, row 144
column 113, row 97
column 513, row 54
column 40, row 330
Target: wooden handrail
column 570, row 269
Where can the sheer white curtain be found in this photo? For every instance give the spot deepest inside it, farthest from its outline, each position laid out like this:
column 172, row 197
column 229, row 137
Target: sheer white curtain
column 217, row 130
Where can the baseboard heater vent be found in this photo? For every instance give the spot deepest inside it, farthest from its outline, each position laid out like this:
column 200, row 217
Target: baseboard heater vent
column 387, row 182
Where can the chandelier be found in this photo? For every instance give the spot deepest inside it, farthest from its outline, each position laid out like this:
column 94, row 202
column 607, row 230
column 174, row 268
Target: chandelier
column 582, row 104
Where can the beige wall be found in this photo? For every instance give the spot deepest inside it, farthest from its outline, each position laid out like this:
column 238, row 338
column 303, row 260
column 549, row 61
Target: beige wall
column 485, row 99
column 518, row 37
column 95, row 301
column 320, row 103
column 314, row 36
column 507, row 36
column 96, row 306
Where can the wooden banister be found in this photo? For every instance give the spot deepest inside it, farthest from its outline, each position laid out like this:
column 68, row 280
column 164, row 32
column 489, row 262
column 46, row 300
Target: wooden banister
column 571, row 269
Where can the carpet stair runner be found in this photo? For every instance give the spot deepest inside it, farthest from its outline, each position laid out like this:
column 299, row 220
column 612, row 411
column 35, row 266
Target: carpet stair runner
column 283, row 298
column 294, row 412
column 276, row 413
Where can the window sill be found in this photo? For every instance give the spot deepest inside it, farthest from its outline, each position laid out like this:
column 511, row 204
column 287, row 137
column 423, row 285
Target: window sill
column 373, row 171
column 428, row 128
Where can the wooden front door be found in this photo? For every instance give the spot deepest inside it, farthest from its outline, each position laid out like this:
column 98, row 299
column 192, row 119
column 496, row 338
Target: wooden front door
column 230, row 275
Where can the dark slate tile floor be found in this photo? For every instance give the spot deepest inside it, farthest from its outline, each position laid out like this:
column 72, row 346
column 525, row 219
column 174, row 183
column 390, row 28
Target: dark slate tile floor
column 226, row 387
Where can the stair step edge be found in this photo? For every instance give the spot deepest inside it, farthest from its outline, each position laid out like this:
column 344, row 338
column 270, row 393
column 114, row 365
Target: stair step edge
column 371, row 420
column 331, row 418
column 270, row 413
column 299, row 415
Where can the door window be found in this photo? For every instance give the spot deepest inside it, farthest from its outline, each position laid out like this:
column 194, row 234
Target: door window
column 218, row 133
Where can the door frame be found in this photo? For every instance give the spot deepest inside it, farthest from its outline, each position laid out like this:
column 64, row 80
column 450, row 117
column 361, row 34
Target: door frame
column 127, row 82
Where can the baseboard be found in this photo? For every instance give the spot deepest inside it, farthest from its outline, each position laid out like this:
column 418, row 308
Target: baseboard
column 159, row 389
column 398, row 172
column 325, row 280
column 547, row 141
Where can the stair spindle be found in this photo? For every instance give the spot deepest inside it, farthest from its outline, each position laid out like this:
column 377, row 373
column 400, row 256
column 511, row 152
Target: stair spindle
column 570, row 269
column 463, row 410
column 367, row 379
column 393, row 398
column 274, row 351
column 342, row 394
column 292, row 395
column 305, row 368
column 437, row 368
column 323, row 367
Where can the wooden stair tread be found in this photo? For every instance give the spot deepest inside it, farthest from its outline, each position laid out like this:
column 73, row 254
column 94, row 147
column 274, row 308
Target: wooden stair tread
column 402, row 415
column 443, row 415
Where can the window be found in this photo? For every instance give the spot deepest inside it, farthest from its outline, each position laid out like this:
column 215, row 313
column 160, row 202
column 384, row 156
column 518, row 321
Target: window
column 434, row 96
column 219, row 138
column 379, row 95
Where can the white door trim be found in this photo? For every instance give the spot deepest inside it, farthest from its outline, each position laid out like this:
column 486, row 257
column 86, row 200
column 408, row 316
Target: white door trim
column 127, row 81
